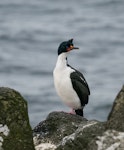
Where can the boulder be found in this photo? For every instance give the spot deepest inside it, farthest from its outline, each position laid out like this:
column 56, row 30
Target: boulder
column 109, row 140
column 116, row 116
column 63, row 131
column 60, row 130
column 15, row 130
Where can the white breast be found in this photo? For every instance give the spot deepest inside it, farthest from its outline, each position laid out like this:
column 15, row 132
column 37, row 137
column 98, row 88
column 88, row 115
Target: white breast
column 63, row 85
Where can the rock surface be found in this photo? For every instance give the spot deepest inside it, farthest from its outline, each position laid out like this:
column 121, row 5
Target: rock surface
column 60, row 131
column 66, row 131
column 109, row 140
column 63, row 131
column 116, row 116
column 15, row 130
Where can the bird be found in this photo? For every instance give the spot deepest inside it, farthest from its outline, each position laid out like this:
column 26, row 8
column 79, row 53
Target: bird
column 70, row 84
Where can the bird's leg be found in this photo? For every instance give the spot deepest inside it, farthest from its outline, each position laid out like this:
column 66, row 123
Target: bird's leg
column 72, row 112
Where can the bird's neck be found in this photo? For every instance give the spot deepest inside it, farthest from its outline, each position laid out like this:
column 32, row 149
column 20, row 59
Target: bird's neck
column 62, row 61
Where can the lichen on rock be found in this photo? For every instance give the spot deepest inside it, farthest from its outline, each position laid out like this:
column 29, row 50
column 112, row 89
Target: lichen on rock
column 60, row 130
column 4, row 131
column 109, row 140
column 71, row 132
column 66, row 131
column 15, row 130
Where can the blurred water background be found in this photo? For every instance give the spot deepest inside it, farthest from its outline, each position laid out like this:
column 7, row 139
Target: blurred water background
column 30, row 33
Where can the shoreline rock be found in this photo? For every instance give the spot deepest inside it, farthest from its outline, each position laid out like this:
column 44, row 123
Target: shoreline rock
column 66, row 131
column 60, row 130
column 15, row 130
column 63, row 131
column 116, row 116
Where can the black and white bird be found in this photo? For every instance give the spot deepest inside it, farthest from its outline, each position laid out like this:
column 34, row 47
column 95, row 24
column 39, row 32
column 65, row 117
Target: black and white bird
column 70, row 84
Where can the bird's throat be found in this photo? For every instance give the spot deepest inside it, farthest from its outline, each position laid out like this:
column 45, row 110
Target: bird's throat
column 62, row 60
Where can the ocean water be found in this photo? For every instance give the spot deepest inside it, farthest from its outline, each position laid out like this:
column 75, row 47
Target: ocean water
column 30, row 33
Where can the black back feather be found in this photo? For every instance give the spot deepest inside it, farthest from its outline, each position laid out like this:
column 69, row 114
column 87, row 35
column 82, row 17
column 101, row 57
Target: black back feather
column 80, row 86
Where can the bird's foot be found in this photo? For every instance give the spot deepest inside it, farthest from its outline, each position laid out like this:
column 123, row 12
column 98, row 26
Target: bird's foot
column 72, row 112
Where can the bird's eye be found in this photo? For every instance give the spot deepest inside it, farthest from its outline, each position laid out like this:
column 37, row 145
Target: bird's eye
column 67, row 46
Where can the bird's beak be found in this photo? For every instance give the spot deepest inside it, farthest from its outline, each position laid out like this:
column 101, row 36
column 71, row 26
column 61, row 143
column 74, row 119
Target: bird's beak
column 75, row 48
column 72, row 47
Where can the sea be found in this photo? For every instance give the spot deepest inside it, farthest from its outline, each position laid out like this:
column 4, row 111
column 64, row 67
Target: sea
column 30, row 33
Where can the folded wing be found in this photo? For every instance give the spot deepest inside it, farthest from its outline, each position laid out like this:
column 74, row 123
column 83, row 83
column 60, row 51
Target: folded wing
column 80, row 86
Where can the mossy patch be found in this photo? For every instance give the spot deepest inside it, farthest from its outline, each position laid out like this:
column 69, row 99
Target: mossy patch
column 14, row 113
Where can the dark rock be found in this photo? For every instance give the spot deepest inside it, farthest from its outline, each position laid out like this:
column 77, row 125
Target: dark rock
column 109, row 140
column 62, row 131
column 15, row 130
column 82, row 136
column 66, row 131
column 116, row 116
column 58, row 125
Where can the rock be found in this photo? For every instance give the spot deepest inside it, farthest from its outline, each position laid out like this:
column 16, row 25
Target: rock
column 82, row 136
column 116, row 116
column 63, row 130
column 110, row 140
column 57, row 125
column 60, row 131
column 15, row 130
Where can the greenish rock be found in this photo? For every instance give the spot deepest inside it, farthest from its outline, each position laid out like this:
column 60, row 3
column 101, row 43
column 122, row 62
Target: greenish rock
column 15, row 130
column 116, row 116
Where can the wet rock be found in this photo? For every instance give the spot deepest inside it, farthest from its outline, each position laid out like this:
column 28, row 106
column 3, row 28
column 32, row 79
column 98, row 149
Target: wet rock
column 116, row 116
column 15, row 130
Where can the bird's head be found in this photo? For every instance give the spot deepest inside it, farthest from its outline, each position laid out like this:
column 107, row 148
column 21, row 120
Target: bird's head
column 66, row 46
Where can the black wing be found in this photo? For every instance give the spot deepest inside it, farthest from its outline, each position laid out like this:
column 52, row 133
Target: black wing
column 80, row 86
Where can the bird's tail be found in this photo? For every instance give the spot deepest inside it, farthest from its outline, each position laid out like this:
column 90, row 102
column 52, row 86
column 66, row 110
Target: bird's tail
column 79, row 112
